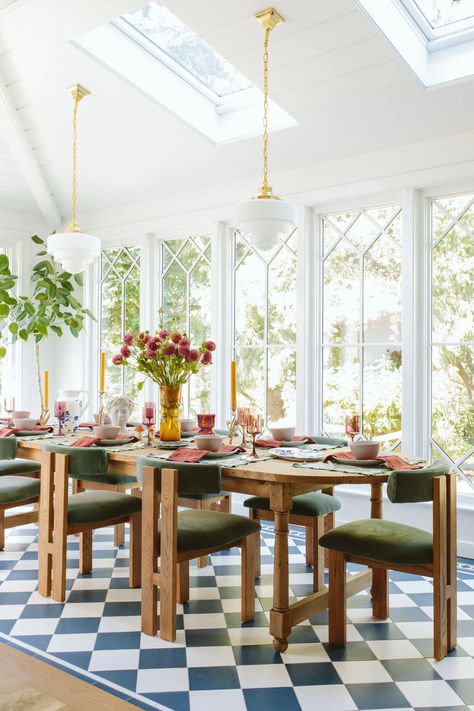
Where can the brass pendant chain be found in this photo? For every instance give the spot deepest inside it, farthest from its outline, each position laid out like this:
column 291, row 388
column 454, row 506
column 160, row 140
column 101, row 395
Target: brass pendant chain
column 74, row 225
column 265, row 190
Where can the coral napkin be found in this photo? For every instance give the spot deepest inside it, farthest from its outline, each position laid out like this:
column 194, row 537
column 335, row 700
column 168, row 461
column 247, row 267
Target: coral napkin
column 190, row 454
column 11, row 431
column 277, row 443
column 393, row 461
column 87, row 441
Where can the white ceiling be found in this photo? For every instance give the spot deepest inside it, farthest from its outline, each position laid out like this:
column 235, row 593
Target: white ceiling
column 329, row 69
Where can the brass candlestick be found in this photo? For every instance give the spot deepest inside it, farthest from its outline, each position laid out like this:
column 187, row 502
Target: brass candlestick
column 44, row 416
column 101, row 417
column 232, row 424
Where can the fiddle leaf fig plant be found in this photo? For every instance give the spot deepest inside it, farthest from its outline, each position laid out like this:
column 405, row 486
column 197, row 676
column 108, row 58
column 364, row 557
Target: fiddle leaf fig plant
column 52, row 308
column 7, row 300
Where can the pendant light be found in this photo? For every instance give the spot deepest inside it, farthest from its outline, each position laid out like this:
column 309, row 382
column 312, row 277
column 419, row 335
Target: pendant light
column 265, row 219
column 74, row 249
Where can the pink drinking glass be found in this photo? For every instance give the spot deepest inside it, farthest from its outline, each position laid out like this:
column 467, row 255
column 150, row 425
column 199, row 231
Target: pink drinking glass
column 9, row 407
column 242, row 417
column 206, row 422
column 254, row 428
column 149, row 414
column 352, row 425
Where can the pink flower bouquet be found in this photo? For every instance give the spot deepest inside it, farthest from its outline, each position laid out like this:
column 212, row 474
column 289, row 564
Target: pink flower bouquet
column 168, row 358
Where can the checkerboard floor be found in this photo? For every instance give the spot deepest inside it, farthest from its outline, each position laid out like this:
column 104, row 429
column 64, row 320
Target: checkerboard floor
column 218, row 663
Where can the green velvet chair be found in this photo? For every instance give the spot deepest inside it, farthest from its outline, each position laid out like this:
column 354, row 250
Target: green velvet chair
column 385, row 545
column 315, row 511
column 17, row 491
column 11, row 464
column 61, row 514
column 183, row 536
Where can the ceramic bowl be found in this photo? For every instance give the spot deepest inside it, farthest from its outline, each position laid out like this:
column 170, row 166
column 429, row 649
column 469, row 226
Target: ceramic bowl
column 106, row 431
column 362, row 449
column 20, row 414
column 187, row 424
column 210, row 442
column 283, row 434
column 24, row 423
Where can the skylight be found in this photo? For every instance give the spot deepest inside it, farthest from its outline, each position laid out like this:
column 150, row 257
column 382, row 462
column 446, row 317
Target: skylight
column 152, row 49
column 440, row 13
column 166, row 31
column 434, row 38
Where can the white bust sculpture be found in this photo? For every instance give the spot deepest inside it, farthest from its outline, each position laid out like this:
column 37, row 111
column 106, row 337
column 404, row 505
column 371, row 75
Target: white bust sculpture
column 120, row 409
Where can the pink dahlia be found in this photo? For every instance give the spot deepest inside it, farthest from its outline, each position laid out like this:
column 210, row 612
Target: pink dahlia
column 170, row 349
column 176, row 337
column 152, row 344
column 125, row 351
column 183, row 350
column 184, row 341
column 128, row 339
column 150, row 353
column 163, row 333
column 206, row 357
column 117, row 359
column 210, row 345
column 193, row 355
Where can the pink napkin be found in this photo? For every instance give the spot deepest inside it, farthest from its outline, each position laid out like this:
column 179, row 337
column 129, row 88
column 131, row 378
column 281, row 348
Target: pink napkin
column 191, row 454
column 277, row 443
column 393, row 461
column 11, row 431
column 87, row 441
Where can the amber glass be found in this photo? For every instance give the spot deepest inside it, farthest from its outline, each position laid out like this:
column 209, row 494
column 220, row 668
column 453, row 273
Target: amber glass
column 170, row 413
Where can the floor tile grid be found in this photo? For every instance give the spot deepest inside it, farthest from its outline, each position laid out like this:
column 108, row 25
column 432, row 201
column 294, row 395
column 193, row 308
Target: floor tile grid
column 216, row 659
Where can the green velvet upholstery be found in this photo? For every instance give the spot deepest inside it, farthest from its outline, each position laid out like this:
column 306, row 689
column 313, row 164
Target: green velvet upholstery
column 199, row 530
column 382, row 541
column 313, row 504
column 14, row 489
column 193, row 478
column 204, row 497
column 82, row 460
column 18, row 466
column 100, row 506
column 415, row 485
column 110, row 478
column 8, row 447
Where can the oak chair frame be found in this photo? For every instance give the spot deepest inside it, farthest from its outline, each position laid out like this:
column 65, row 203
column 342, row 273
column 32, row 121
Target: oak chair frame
column 54, row 530
column 442, row 570
column 173, row 576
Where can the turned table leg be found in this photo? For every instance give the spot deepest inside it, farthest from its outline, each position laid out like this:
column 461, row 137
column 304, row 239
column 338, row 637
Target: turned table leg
column 376, row 500
column 280, row 626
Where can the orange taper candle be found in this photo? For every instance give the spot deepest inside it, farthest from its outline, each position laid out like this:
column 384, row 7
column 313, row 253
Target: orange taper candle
column 233, row 384
column 102, row 372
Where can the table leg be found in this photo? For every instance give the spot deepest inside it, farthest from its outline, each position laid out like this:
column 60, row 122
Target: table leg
column 280, row 626
column 376, row 500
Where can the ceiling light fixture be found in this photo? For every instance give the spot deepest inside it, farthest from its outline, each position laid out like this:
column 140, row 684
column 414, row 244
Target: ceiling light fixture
column 265, row 219
column 74, row 249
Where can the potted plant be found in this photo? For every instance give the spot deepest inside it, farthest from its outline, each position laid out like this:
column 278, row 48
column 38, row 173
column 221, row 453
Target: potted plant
column 169, row 359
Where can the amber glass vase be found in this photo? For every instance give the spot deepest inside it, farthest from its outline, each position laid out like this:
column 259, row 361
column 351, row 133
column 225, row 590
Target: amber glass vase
column 170, row 413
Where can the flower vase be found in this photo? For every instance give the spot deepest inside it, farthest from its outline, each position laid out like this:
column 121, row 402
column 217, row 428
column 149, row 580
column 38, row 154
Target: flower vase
column 170, row 413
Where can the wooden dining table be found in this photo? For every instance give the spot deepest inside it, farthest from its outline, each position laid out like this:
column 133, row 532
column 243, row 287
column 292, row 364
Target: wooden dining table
column 279, row 481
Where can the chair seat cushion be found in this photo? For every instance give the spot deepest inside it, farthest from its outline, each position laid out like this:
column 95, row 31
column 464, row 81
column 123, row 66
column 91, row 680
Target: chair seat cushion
column 203, row 497
column 313, row 504
column 383, row 541
column 100, row 506
column 18, row 488
column 107, row 478
column 18, row 466
column 199, row 530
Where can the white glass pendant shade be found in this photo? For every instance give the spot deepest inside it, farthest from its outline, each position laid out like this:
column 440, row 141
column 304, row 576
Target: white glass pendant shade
column 264, row 222
column 73, row 250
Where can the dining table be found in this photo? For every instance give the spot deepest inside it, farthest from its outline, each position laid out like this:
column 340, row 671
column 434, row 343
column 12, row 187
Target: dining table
column 278, row 480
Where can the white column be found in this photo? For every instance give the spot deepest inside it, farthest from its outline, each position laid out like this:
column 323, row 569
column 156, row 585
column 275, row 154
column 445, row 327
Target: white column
column 222, row 320
column 415, row 325
column 308, row 361
column 150, row 300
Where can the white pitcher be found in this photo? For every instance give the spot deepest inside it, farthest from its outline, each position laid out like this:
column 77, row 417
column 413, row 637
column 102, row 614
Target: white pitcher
column 74, row 407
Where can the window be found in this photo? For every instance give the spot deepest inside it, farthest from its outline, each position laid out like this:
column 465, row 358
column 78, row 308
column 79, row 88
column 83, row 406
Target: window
column 361, row 324
column 186, row 303
column 452, row 329
column 265, row 329
column 119, row 313
column 184, row 47
column 440, row 13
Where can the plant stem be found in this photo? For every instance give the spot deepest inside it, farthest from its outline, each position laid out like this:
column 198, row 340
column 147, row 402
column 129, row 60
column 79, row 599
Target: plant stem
column 44, row 415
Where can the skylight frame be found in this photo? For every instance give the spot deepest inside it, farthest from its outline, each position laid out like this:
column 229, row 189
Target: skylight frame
column 437, row 37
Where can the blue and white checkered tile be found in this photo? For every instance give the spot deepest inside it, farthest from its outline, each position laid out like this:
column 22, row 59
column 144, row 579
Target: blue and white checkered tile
column 216, row 662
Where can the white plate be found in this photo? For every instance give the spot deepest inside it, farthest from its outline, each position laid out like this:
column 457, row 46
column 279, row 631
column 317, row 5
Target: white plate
column 221, row 455
column 114, row 442
column 189, row 434
column 171, row 445
column 31, row 433
column 294, row 454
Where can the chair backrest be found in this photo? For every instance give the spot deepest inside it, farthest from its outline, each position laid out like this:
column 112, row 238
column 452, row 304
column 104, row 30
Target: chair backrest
column 192, row 478
column 82, row 460
column 8, row 447
column 329, row 440
column 415, row 485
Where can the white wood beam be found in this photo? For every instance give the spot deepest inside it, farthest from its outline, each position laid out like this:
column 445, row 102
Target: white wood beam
column 15, row 136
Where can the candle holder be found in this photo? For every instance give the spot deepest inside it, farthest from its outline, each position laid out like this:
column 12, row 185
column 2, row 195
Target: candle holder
column 232, row 424
column 150, row 436
column 44, row 416
column 101, row 413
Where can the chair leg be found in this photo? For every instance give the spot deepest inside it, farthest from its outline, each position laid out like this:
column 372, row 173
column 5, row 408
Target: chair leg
column 183, row 582
column 253, row 515
column 249, row 547
column 135, row 561
column 440, row 616
column 85, row 552
column 150, row 508
column 309, row 545
column 380, row 593
column 329, row 521
column 2, row 530
column 45, row 532
column 204, row 561
column 226, row 503
column 318, row 554
column 58, row 590
column 337, row 599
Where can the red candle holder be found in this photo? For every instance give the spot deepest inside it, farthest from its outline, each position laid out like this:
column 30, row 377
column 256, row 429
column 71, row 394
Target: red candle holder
column 206, row 423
